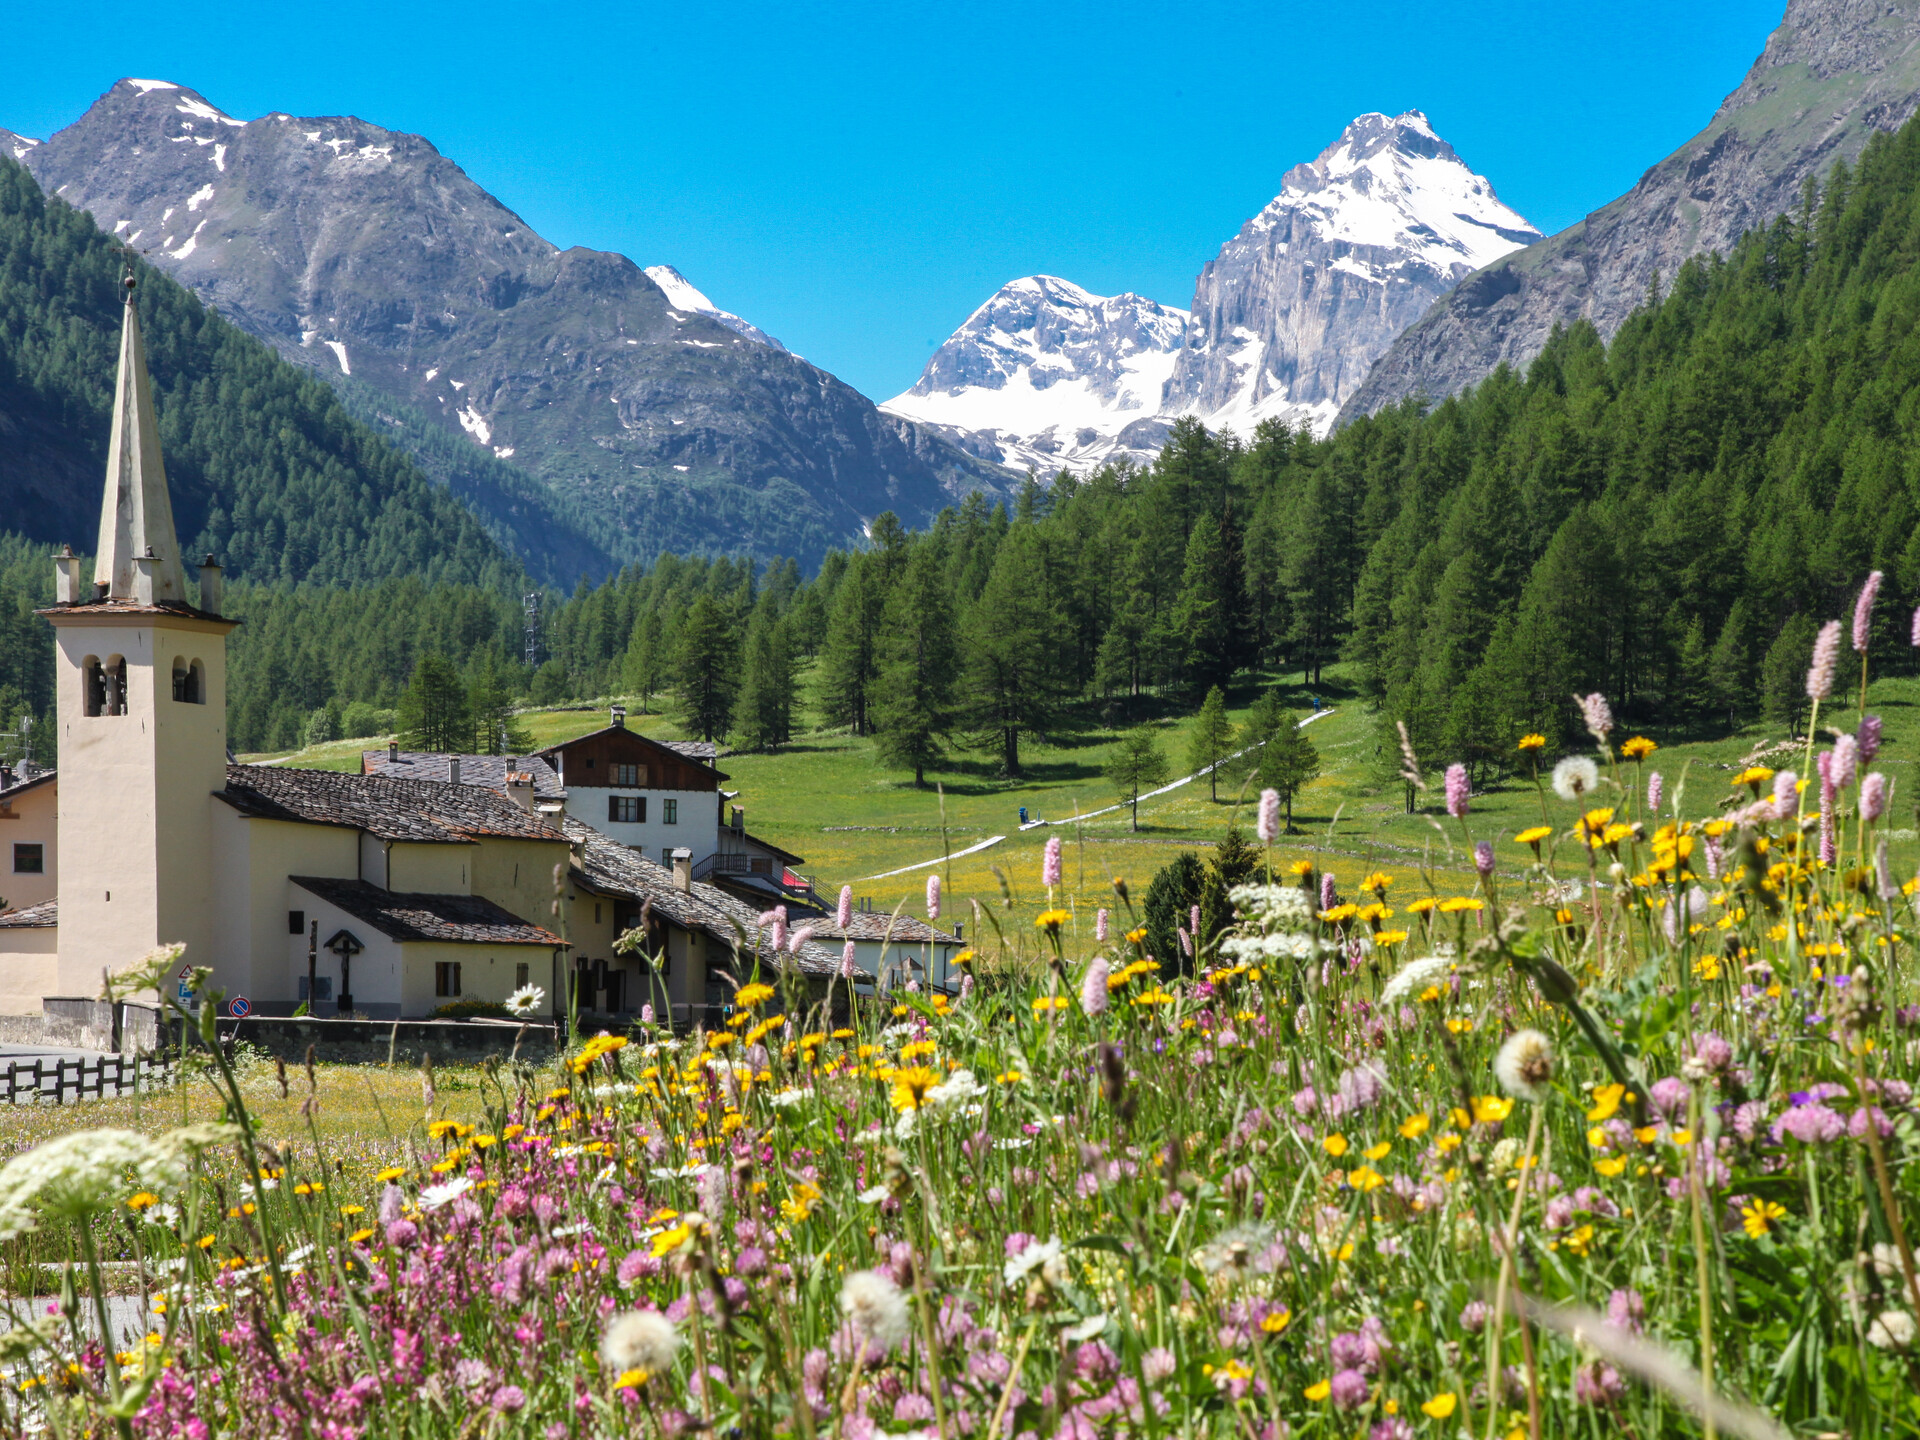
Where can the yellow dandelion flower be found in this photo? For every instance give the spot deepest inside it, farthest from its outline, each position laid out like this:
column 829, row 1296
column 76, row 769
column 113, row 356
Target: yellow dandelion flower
column 1339, row 913
column 1276, row 1321
column 1533, row 835
column 1366, row 1178
column 750, row 996
column 1319, row 1390
column 1606, row 1100
column 1389, row 937
column 1379, row 1151
column 1443, row 1404
column 1759, row 1216
column 1532, row 742
column 1422, row 905
column 1454, row 904
column 1050, row 921
column 910, row 1086
column 1611, row 1167
column 1301, row 867
column 1638, row 748
column 142, row 1201
column 392, row 1172
column 1489, row 1108
column 1377, row 882
column 1414, row 1126
column 1335, row 1144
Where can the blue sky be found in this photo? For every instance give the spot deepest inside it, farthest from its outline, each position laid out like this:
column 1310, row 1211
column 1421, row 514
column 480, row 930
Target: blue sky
column 856, row 178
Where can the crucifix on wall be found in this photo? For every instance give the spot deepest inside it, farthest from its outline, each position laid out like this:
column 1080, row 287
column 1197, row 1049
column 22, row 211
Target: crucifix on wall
column 346, row 946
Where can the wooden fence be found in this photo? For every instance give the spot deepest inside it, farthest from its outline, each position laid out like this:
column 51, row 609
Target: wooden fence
column 56, row 1080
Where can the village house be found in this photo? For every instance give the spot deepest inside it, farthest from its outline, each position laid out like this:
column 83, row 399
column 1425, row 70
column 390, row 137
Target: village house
column 399, row 891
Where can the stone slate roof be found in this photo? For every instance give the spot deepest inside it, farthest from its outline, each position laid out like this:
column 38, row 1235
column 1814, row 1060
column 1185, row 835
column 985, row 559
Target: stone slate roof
column 34, row 917
column 705, row 751
column 19, row 787
column 418, row 810
column 462, row 919
column 177, row 608
column 873, row 925
column 607, row 867
column 488, row 771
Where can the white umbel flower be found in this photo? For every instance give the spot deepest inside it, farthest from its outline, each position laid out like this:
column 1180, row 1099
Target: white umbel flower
column 876, row 1307
column 643, row 1340
column 77, row 1176
column 1891, row 1330
column 1575, row 778
column 1524, row 1065
column 1415, row 976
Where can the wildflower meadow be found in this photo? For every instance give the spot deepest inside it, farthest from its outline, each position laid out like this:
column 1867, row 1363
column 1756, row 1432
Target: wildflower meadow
column 1618, row 1141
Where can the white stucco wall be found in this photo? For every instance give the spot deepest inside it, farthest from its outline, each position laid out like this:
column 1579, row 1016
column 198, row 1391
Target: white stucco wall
column 252, row 859
column 30, row 817
column 697, row 828
column 28, row 962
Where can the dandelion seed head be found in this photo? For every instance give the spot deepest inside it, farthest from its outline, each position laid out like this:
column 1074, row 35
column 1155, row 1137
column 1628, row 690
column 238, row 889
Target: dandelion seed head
column 1524, row 1065
column 875, row 1307
column 1575, row 778
column 642, row 1340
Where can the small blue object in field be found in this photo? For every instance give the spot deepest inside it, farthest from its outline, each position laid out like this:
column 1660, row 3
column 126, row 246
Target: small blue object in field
column 1023, row 814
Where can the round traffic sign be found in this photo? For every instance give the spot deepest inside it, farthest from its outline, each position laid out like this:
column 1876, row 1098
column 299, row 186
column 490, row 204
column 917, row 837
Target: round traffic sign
column 239, row 1008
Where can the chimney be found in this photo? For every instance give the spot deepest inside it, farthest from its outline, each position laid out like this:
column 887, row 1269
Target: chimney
column 520, row 789
column 619, row 717
column 739, row 819
column 683, row 870
column 453, row 769
column 67, row 588
column 210, row 585
column 393, row 752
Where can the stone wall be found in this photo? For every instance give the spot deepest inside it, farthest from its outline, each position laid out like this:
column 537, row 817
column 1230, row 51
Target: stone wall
column 73, row 1024
column 406, row 1042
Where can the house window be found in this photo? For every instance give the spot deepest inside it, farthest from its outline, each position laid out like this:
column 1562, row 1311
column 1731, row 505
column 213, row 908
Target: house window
column 520, row 977
column 628, row 809
column 628, row 775
column 29, row 860
column 446, row 977
column 615, row 985
column 596, row 912
column 296, row 922
column 669, row 812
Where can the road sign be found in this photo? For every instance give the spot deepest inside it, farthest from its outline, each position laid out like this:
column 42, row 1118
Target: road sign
column 239, row 1008
column 186, row 973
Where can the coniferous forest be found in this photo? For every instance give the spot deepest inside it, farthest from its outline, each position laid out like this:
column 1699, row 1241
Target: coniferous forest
column 1660, row 518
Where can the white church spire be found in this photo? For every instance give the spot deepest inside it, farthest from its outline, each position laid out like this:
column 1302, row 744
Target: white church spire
column 139, row 555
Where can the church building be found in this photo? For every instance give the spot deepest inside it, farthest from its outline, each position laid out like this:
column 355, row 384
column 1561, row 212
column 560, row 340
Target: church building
column 396, row 895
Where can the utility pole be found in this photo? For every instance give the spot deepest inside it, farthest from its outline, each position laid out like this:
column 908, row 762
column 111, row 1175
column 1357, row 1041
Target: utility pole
column 530, row 604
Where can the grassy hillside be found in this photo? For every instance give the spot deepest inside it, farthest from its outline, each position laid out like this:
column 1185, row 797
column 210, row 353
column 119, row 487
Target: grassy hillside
column 827, row 797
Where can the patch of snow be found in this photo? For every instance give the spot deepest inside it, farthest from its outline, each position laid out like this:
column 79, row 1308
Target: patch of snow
column 682, row 295
column 681, row 468
column 703, row 344
column 167, row 214
column 313, row 136
column 307, row 338
column 503, row 452
column 220, row 158
column 144, row 86
column 200, row 110
column 192, row 240
column 120, row 225
column 458, row 384
column 340, row 354
column 199, row 197
column 433, row 372
column 475, row 424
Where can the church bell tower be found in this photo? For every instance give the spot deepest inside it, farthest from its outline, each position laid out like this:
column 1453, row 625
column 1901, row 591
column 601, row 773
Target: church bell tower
column 141, row 694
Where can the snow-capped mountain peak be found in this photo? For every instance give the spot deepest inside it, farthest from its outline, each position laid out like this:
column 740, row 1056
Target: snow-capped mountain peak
column 1294, row 310
column 1047, row 374
column 1286, row 320
column 682, row 295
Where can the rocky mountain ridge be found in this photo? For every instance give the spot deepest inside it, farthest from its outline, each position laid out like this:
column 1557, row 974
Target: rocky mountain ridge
column 1833, row 73
column 363, row 252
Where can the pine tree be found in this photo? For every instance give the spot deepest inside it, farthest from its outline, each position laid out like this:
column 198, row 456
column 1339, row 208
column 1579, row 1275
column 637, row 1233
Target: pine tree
column 434, row 713
column 1134, row 765
column 708, row 671
column 644, row 662
column 913, row 706
column 1211, row 739
column 763, row 715
column 1288, row 763
column 1730, row 679
column 1171, row 896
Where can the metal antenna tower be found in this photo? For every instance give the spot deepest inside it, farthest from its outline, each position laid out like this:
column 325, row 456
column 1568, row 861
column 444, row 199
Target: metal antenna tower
column 531, row 605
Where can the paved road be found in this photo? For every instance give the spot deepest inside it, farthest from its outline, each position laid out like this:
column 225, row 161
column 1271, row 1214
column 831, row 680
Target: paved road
column 45, row 1052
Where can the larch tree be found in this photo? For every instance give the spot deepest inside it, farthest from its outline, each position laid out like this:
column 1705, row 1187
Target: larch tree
column 1211, row 739
column 708, row 673
column 434, row 712
column 913, row 696
column 1136, row 764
